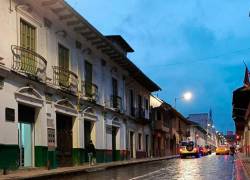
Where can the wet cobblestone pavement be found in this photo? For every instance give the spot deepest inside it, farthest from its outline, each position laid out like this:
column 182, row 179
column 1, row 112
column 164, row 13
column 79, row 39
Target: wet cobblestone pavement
column 210, row 167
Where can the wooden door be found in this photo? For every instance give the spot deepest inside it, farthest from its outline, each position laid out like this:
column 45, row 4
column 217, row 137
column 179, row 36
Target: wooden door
column 64, row 139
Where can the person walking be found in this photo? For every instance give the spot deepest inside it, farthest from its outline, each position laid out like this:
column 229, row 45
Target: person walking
column 91, row 153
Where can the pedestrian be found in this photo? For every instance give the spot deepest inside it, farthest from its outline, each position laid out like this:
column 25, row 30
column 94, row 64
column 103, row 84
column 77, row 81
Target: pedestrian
column 91, row 153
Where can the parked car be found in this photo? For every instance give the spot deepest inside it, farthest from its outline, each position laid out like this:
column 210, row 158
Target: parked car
column 188, row 149
column 222, row 150
column 209, row 149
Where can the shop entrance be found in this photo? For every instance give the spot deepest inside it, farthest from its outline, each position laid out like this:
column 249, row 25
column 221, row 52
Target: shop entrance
column 64, row 139
column 26, row 119
column 114, row 132
column 87, row 136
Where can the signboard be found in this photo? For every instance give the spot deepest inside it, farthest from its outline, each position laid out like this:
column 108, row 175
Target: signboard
column 10, row 114
column 51, row 139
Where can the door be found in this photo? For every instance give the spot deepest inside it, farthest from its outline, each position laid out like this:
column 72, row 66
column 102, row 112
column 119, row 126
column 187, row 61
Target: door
column 25, row 144
column 63, row 54
column 26, row 119
column 88, row 79
column 114, row 132
column 87, row 137
column 64, row 139
column 27, row 41
column 131, row 138
column 147, row 145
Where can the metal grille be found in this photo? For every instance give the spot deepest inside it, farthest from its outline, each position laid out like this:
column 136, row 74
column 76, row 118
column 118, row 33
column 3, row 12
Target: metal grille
column 28, row 62
column 65, row 79
column 116, row 102
column 89, row 90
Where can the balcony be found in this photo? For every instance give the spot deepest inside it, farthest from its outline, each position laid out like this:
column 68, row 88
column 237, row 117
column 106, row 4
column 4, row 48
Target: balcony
column 116, row 103
column 89, row 90
column 65, row 79
column 140, row 115
column 29, row 62
column 159, row 125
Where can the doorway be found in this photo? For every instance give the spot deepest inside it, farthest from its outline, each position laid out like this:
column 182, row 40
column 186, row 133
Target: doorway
column 131, row 138
column 147, row 153
column 87, row 136
column 26, row 119
column 64, row 139
column 114, row 132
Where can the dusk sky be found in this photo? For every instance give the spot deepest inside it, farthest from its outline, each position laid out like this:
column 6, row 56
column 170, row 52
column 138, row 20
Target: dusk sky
column 196, row 46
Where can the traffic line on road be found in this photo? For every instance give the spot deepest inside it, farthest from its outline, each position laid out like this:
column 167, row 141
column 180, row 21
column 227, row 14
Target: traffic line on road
column 147, row 175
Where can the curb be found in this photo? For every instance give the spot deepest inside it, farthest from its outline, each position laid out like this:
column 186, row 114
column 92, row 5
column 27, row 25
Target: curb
column 242, row 167
column 83, row 170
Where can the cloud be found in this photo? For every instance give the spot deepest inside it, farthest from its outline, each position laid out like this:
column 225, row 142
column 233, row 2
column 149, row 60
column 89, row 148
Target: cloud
column 181, row 32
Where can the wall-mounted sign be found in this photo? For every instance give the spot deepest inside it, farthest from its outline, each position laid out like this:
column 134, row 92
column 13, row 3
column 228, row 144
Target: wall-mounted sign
column 51, row 139
column 1, row 82
column 10, row 114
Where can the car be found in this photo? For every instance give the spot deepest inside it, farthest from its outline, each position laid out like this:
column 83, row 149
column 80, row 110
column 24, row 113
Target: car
column 209, row 149
column 222, row 150
column 203, row 150
column 188, row 149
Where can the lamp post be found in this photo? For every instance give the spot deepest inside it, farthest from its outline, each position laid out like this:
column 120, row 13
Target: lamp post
column 187, row 96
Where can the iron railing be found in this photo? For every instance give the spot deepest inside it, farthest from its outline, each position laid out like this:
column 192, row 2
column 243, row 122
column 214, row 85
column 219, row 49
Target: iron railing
column 140, row 113
column 65, row 79
column 29, row 62
column 140, row 116
column 89, row 90
column 116, row 102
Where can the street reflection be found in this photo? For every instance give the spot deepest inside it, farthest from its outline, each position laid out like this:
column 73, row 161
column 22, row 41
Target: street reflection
column 203, row 168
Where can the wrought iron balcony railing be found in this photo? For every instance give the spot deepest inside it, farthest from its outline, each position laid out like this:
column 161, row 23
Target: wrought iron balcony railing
column 29, row 62
column 65, row 79
column 89, row 90
column 140, row 113
column 116, row 102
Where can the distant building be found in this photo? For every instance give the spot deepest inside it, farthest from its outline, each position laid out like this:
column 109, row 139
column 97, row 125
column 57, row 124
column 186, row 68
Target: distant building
column 206, row 122
column 202, row 119
column 197, row 134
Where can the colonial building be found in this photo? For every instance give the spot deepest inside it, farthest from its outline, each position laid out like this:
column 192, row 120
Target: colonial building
column 63, row 84
column 161, row 117
column 241, row 116
column 197, row 134
column 206, row 122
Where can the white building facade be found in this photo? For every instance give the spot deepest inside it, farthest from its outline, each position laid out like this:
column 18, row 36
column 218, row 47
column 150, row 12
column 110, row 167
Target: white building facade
column 63, row 84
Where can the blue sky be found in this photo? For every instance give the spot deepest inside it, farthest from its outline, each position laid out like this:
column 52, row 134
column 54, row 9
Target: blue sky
column 182, row 45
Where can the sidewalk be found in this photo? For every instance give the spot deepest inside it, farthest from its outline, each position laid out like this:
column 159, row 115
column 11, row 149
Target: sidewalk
column 242, row 167
column 41, row 173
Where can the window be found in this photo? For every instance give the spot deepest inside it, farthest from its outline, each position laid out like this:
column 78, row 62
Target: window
column 139, row 101
column 27, row 35
column 146, row 104
column 27, row 41
column 132, row 109
column 115, row 93
column 63, row 55
column 139, row 140
column 88, row 79
column 158, row 115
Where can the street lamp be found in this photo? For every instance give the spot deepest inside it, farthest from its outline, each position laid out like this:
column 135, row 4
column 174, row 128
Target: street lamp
column 187, row 96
